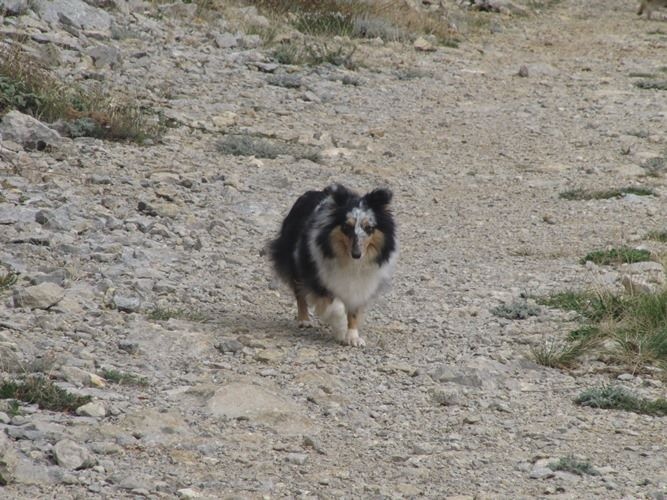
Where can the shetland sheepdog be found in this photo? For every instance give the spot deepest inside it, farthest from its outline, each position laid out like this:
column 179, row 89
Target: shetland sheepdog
column 337, row 251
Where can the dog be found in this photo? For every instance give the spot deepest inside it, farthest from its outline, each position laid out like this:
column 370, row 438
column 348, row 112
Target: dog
column 648, row 6
column 337, row 251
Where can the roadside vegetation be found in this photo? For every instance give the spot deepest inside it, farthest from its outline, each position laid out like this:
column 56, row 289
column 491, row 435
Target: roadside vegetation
column 43, row 392
column 29, row 87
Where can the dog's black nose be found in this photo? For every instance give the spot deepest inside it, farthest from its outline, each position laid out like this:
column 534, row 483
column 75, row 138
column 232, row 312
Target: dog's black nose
column 356, row 254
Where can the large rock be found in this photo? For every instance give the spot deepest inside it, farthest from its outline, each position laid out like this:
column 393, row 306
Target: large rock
column 72, row 456
column 13, row 7
column 8, row 460
column 260, row 405
column 29, row 132
column 40, row 296
column 74, row 13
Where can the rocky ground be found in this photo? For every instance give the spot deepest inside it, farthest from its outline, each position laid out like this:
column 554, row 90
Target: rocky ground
column 111, row 239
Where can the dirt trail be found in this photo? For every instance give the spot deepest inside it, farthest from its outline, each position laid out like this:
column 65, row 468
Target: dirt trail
column 444, row 400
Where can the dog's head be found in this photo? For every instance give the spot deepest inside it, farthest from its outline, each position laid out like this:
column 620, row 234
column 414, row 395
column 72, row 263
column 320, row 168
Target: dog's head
column 361, row 227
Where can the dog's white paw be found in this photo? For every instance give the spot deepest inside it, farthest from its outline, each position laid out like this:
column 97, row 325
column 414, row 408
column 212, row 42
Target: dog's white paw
column 305, row 323
column 351, row 337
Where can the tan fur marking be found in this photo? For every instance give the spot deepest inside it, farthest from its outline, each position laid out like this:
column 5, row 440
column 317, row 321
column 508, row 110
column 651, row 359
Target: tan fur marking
column 352, row 321
column 302, row 308
column 374, row 244
column 341, row 244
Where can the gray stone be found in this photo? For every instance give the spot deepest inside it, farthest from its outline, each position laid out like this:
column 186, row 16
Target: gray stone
column 74, row 13
column 240, row 400
column 229, row 345
column 13, row 7
column 539, row 472
column 40, row 296
column 467, row 377
column 188, row 493
column 226, row 41
column 126, row 303
column 28, row 131
column 72, row 456
column 296, row 458
column 8, row 460
column 104, row 56
column 92, row 409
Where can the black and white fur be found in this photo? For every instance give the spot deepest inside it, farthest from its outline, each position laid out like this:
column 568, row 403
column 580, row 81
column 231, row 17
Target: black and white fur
column 337, row 251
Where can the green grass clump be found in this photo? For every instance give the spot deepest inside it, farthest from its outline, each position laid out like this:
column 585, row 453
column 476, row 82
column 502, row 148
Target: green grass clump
column 574, row 465
column 657, row 236
column 123, row 378
column 586, row 194
column 656, row 166
column 43, row 392
column 310, row 53
column 30, row 88
column 558, row 354
column 516, row 310
column 622, row 255
column 611, row 397
column 634, row 327
column 390, row 20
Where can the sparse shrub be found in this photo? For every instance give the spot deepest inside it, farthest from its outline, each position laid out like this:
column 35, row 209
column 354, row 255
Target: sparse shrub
column 75, row 111
column 658, row 236
column 165, row 314
column 611, row 397
column 390, row 20
column 122, row 378
column 622, row 255
column 655, row 166
column 557, row 353
column 310, row 53
column 247, row 145
column 7, row 279
column 652, row 84
column 43, row 392
column 586, row 194
column 635, row 326
column 574, row 465
column 519, row 309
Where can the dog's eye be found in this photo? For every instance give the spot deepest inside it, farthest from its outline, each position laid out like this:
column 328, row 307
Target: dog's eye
column 347, row 229
column 369, row 229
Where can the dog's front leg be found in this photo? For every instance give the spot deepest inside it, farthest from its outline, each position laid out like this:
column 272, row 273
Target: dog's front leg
column 352, row 335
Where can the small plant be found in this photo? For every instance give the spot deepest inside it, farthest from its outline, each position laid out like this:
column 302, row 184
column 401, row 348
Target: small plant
column 652, row 84
column 247, row 145
column 43, row 392
column 623, row 255
column 122, row 378
column 315, row 53
column 585, row 194
column 657, row 236
column 655, row 166
column 7, row 279
column 558, row 354
column 165, row 314
column 641, row 74
column 594, row 306
column 574, row 465
column 14, row 408
column 610, row 397
column 516, row 310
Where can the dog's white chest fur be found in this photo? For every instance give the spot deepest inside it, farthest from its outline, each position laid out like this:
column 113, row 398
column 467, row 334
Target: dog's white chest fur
column 357, row 282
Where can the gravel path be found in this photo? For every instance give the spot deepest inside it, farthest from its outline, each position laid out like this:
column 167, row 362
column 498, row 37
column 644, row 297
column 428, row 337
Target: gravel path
column 476, row 142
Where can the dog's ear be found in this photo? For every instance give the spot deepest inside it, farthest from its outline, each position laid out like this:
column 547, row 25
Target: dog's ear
column 378, row 198
column 339, row 193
